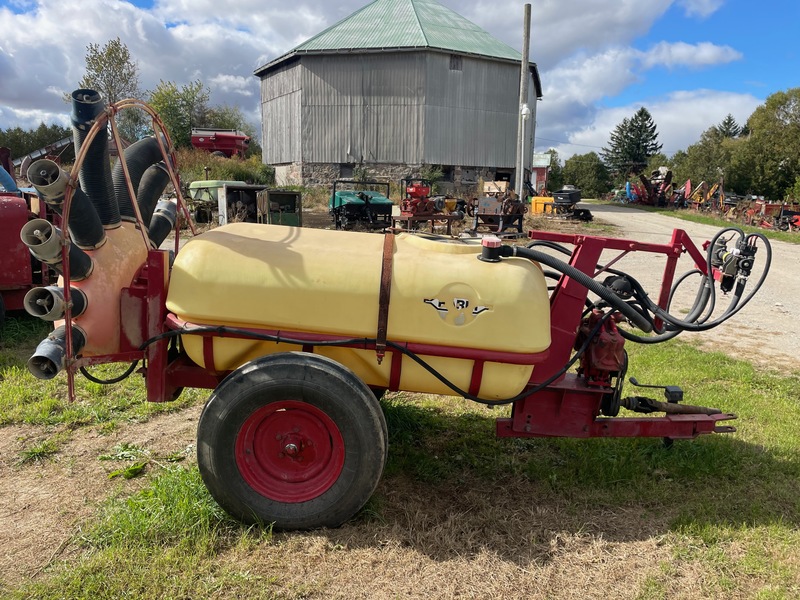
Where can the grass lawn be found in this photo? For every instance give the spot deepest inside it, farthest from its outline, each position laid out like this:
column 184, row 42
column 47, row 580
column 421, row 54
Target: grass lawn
column 458, row 513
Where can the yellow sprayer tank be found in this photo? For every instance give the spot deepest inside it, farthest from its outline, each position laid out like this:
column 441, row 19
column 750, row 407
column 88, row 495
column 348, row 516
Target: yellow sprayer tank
column 317, row 281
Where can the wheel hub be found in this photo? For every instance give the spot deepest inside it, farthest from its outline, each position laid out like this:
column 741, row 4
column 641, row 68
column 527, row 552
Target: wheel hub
column 290, row 451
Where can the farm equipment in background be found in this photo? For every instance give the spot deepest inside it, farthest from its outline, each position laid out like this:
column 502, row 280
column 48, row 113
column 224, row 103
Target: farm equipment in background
column 565, row 204
column 418, row 207
column 19, row 271
column 705, row 198
column 417, row 199
column 788, row 220
column 299, row 331
column 363, row 203
column 498, row 210
column 231, row 201
column 418, row 202
column 222, row 142
column 655, row 190
column 681, row 194
column 779, row 216
column 52, row 151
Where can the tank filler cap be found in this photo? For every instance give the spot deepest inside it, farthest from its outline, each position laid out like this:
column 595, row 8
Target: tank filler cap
column 490, row 248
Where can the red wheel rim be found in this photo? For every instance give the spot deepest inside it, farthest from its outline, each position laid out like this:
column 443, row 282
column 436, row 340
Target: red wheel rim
column 290, row 451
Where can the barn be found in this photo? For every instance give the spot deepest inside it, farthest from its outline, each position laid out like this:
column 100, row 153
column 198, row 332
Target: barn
column 397, row 87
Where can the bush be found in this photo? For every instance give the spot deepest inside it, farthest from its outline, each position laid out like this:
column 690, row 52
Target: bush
column 192, row 165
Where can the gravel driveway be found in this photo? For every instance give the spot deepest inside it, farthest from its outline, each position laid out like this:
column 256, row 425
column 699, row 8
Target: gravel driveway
column 763, row 331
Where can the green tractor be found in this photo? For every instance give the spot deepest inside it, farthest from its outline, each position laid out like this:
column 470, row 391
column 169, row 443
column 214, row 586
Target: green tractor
column 364, row 203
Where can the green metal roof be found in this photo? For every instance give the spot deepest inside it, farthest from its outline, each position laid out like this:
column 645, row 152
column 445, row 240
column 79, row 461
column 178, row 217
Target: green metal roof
column 404, row 24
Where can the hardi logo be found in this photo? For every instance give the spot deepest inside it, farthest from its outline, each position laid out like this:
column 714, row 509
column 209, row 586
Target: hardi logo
column 455, row 305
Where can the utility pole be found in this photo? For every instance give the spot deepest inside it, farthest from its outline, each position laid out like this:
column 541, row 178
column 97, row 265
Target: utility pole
column 524, row 111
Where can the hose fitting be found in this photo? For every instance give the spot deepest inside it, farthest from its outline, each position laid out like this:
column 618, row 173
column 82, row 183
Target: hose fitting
column 49, row 359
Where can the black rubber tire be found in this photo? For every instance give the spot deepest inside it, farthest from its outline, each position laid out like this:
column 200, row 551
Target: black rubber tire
column 2, row 312
column 302, row 379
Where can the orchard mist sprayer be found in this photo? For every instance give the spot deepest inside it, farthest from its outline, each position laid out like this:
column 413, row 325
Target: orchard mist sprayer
column 299, row 331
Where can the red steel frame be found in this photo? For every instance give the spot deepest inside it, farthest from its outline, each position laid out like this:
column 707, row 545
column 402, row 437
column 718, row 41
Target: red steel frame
column 570, row 408
column 567, row 407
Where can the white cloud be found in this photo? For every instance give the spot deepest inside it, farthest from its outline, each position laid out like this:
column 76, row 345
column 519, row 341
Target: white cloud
column 683, row 115
column 680, row 118
column 590, row 78
column 678, row 54
column 584, row 50
column 232, row 83
column 700, row 8
column 559, row 29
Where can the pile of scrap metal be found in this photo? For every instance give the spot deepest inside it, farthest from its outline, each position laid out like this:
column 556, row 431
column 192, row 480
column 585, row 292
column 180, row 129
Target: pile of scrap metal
column 653, row 191
column 780, row 216
column 707, row 198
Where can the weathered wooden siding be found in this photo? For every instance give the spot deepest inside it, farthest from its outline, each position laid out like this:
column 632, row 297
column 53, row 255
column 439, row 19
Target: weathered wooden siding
column 471, row 114
column 281, row 94
column 363, row 107
column 409, row 107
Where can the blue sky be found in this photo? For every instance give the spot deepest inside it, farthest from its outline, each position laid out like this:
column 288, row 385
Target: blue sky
column 689, row 62
column 765, row 35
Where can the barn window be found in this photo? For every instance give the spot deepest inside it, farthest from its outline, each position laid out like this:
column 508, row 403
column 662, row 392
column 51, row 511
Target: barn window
column 455, row 62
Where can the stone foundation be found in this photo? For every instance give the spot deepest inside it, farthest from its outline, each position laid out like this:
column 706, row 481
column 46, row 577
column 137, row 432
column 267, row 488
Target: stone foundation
column 465, row 182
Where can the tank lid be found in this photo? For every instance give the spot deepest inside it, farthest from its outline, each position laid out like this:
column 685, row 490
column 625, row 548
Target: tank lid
column 491, row 241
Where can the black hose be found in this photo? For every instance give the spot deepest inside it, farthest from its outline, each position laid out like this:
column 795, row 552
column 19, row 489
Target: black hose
column 706, row 299
column 369, row 343
column 116, row 379
column 628, row 311
column 163, row 221
column 152, row 185
column 95, row 173
column 138, row 158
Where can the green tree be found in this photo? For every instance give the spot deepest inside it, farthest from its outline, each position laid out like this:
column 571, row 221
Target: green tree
column 23, row 141
column 707, row 160
column 555, row 174
column 793, row 193
column 632, row 142
column 771, row 151
column 111, row 70
column 181, row 109
column 659, row 159
column 587, row 172
column 729, row 128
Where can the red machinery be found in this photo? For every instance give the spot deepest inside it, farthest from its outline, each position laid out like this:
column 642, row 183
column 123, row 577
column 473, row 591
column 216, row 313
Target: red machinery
column 19, row 271
column 294, row 435
column 655, row 190
column 228, row 142
column 416, row 198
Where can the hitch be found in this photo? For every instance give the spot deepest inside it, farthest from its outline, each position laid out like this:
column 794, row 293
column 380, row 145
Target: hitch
column 673, row 394
column 645, row 405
